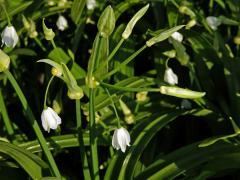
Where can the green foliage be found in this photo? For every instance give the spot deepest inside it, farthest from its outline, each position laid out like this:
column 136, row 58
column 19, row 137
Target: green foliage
column 109, row 66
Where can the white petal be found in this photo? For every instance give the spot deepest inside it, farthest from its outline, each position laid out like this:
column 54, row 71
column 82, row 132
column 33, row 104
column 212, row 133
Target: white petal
column 170, row 77
column 44, row 121
column 121, row 140
column 91, row 4
column 62, row 23
column 9, row 36
column 127, row 137
column 213, row 22
column 114, row 140
column 177, row 36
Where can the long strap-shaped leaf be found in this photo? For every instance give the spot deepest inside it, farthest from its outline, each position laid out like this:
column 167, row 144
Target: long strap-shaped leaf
column 186, row 158
column 31, row 163
column 143, row 133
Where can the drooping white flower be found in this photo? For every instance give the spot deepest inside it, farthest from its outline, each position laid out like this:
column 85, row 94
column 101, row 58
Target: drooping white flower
column 213, row 22
column 50, row 119
column 91, row 4
column 9, row 36
column 62, row 23
column 177, row 36
column 121, row 139
column 170, row 77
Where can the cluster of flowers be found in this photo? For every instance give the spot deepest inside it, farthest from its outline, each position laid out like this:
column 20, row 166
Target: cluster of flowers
column 49, row 118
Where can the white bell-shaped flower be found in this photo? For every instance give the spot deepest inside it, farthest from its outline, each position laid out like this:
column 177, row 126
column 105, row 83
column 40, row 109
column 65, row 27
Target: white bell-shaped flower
column 91, row 4
column 50, row 119
column 9, row 36
column 121, row 139
column 62, row 23
column 177, row 36
column 213, row 22
column 170, row 77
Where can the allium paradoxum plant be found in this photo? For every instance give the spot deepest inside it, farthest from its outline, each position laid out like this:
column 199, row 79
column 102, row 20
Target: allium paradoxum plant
column 9, row 36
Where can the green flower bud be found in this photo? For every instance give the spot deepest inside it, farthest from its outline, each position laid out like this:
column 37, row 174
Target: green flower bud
column 25, row 22
column 170, row 54
column 106, row 22
column 236, row 40
column 180, row 92
column 32, row 30
column 49, row 34
column 4, row 61
column 74, row 92
column 91, row 82
column 133, row 21
column 56, row 106
column 187, row 11
column 191, row 23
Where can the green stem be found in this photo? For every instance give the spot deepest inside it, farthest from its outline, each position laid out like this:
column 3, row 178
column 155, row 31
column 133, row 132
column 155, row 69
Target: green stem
column 53, row 44
column 39, row 43
column 46, row 93
column 114, row 107
column 34, row 124
column 106, row 62
column 83, row 155
column 93, row 138
column 126, row 61
column 129, row 89
column 5, row 11
column 5, row 116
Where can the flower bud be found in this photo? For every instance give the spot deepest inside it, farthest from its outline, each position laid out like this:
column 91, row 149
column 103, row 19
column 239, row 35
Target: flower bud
column 213, row 22
column 170, row 77
column 170, row 54
column 56, row 106
column 91, row 4
column 62, row 23
column 32, row 30
column 236, row 40
column 106, row 22
column 180, row 92
column 4, row 61
column 74, row 92
column 9, row 36
column 91, row 82
column 133, row 21
column 26, row 24
column 49, row 34
column 191, row 23
column 177, row 36
column 187, row 11
column 142, row 96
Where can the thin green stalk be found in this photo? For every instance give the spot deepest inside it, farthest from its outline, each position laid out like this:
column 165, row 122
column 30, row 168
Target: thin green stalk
column 86, row 172
column 129, row 89
column 93, row 138
column 106, row 62
column 34, row 124
column 39, row 43
column 114, row 107
column 53, row 44
column 5, row 11
column 46, row 93
column 126, row 61
column 5, row 116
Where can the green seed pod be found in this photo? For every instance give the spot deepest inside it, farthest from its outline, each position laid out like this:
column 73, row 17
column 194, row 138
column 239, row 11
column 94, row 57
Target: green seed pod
column 4, row 61
column 133, row 21
column 190, row 24
column 180, row 92
column 49, row 34
column 170, row 54
column 106, row 22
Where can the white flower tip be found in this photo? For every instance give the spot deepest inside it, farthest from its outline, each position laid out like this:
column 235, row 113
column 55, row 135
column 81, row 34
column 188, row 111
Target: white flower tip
column 9, row 36
column 91, row 4
column 62, row 23
column 177, row 36
column 170, row 77
column 213, row 22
